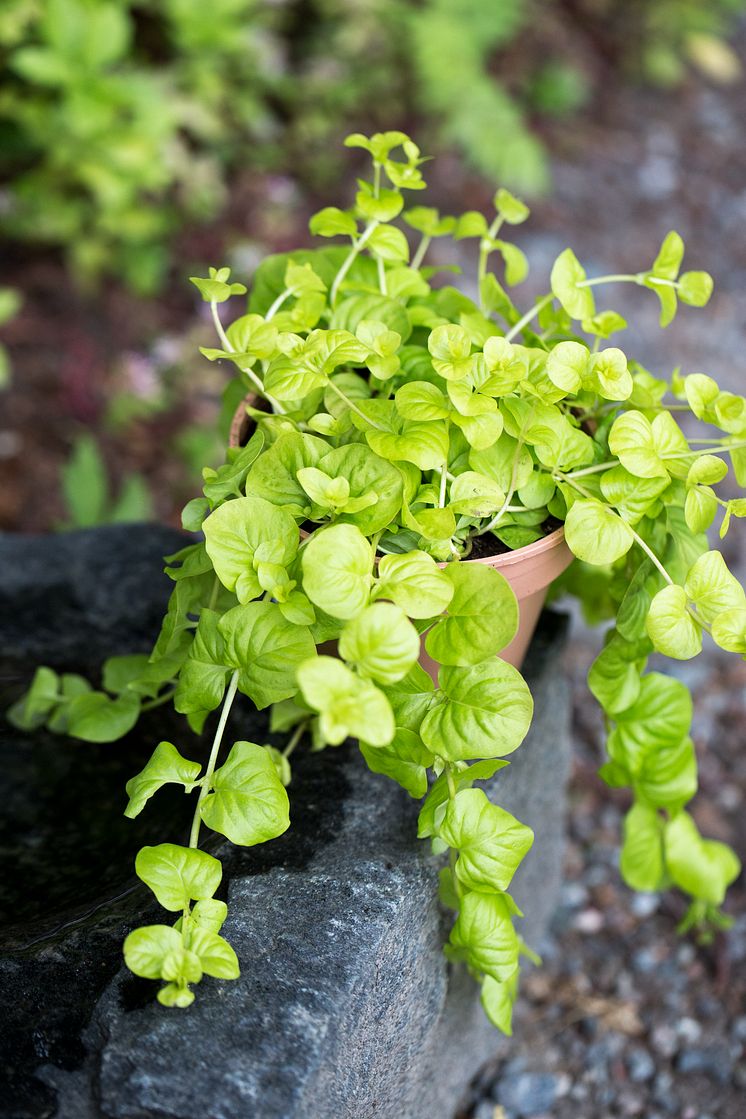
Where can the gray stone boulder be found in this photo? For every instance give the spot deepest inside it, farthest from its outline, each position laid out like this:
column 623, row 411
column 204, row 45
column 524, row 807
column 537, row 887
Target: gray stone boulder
column 345, row 1007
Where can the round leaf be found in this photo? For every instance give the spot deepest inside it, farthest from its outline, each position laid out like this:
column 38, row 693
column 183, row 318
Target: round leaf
column 595, row 534
column 671, row 627
column 381, row 642
column 483, row 712
column 337, row 570
column 482, row 616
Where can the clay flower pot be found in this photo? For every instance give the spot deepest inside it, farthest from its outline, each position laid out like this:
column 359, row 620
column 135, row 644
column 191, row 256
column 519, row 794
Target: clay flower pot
column 529, row 570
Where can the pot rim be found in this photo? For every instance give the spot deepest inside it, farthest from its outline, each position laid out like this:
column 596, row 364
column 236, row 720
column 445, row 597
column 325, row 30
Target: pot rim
column 555, row 539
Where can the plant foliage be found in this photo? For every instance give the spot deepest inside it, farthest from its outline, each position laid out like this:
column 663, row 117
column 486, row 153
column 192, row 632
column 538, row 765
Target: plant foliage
column 396, row 426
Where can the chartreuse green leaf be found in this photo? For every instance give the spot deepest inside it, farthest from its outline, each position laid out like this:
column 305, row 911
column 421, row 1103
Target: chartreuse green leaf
column 490, row 842
column 614, row 676
column 632, row 497
column 484, row 937
column 210, row 914
column 381, row 643
column 266, row 649
column 711, row 587
column 178, row 875
column 670, row 625
column 475, row 495
column 497, row 1002
column 571, row 367
column 375, row 486
column 166, row 765
column 205, row 671
column 217, row 288
column 338, row 570
column 119, row 673
column 411, row 698
column 96, row 718
column 348, row 705
column 438, row 797
column 729, row 631
column 424, row 444
column 510, row 208
column 38, row 702
column 566, row 280
column 333, row 222
column 595, row 533
column 660, row 716
column 235, row 531
column 641, row 860
column 450, row 347
column 247, row 803
column 415, row 583
column 480, row 712
column 649, row 450
column 482, row 616
column 146, row 949
column 695, row 288
column 702, row 867
column 274, row 475
column 405, row 760
column 668, row 776
column 214, row 953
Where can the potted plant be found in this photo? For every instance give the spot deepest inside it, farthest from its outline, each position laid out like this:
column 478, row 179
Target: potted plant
column 407, row 462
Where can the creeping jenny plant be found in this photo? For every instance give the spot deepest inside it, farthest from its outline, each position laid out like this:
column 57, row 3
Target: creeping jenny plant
column 400, row 423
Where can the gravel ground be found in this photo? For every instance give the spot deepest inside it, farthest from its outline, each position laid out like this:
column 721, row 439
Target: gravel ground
column 626, row 1018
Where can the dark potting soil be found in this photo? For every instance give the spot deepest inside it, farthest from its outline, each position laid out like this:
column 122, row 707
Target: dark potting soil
column 482, row 547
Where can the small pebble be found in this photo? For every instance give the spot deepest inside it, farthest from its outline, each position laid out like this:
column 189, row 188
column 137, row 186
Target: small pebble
column 527, row 1093
column 589, row 921
column 665, row 1040
column 689, row 1031
column 640, row 1065
column 713, row 1061
column 644, row 905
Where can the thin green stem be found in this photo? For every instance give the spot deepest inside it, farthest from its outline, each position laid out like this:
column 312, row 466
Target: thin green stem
column 650, row 554
column 597, row 469
column 158, row 701
column 484, row 251
column 514, row 330
column 635, row 535
column 443, row 483
column 256, row 381
column 617, row 278
column 382, row 276
column 295, row 738
column 348, row 261
column 509, row 495
column 719, row 449
column 212, row 761
column 277, row 304
column 422, row 248
column 353, row 406
column 452, row 855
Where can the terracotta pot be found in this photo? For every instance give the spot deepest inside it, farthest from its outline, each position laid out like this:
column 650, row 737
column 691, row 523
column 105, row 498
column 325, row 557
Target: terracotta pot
column 529, row 570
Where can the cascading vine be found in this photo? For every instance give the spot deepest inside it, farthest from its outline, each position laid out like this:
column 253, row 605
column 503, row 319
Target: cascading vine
column 406, row 422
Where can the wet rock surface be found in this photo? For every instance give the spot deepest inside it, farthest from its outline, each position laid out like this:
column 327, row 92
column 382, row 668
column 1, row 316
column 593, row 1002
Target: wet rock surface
column 345, row 1005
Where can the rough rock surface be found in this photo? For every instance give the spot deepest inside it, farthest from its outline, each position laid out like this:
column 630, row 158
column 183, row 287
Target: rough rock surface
column 345, row 1007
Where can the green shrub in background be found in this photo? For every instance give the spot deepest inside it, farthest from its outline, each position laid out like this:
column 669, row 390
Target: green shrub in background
column 120, row 120
column 10, row 301
column 116, row 118
column 87, row 494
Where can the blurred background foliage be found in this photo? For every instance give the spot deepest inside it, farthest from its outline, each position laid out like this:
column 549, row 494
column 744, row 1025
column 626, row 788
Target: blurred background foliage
column 138, row 136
